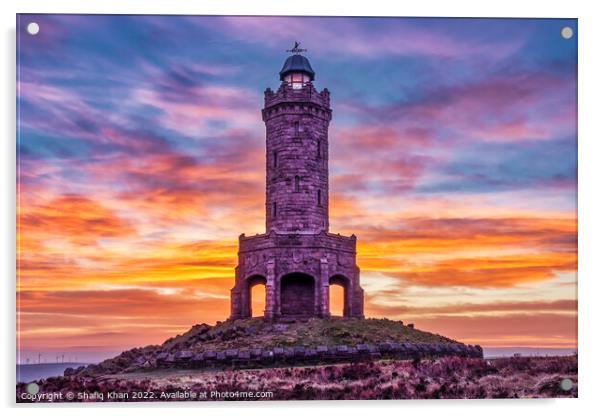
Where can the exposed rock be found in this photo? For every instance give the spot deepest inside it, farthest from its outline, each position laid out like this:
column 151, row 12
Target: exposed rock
column 310, row 353
column 231, row 353
column 184, row 355
column 281, row 327
column 321, row 349
column 342, row 348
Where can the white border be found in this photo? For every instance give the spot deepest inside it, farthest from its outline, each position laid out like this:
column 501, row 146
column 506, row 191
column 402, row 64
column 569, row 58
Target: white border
column 590, row 202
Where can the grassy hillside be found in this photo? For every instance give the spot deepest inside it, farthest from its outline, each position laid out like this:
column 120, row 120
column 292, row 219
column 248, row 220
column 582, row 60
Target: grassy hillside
column 257, row 333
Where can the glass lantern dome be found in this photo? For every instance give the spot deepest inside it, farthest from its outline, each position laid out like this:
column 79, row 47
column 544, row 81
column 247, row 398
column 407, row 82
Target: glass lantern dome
column 297, row 71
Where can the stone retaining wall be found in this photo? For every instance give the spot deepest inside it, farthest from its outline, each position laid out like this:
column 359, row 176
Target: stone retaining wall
column 261, row 357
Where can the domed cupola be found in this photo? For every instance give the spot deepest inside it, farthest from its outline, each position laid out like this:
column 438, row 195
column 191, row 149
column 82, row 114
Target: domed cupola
column 297, row 70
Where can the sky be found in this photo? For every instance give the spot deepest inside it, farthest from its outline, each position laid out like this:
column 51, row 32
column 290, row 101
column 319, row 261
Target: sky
column 141, row 159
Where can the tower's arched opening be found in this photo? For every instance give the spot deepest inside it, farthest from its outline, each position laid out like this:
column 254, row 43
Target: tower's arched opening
column 256, row 295
column 338, row 295
column 297, row 295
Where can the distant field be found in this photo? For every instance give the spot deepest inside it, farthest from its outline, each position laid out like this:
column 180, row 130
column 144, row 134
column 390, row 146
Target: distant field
column 527, row 352
column 30, row 372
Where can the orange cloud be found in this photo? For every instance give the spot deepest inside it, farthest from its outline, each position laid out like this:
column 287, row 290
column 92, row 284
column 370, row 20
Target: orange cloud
column 157, row 264
column 112, row 318
column 474, row 252
column 525, row 330
column 179, row 283
column 170, row 186
column 374, row 308
column 500, row 271
column 75, row 218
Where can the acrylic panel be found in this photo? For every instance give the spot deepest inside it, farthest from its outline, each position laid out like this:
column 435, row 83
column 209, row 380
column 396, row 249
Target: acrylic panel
column 295, row 208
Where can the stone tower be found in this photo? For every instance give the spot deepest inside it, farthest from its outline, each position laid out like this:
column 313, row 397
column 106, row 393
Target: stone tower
column 297, row 259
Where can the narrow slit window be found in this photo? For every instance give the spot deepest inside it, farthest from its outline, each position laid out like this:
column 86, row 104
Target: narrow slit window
column 274, row 210
column 275, row 159
column 297, row 183
column 319, row 149
column 296, row 129
column 319, row 198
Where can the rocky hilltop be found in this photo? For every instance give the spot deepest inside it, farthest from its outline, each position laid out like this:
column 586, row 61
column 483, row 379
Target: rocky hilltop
column 256, row 343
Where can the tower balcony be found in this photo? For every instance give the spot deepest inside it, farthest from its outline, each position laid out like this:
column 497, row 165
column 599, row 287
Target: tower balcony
column 275, row 240
column 287, row 94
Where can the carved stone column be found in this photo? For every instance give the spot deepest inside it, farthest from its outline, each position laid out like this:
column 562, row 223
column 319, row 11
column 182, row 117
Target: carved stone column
column 270, row 289
column 235, row 306
column 324, row 288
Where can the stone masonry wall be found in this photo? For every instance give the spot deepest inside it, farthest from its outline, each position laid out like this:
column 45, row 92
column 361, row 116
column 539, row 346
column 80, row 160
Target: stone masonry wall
column 297, row 160
column 324, row 257
column 284, row 356
column 259, row 357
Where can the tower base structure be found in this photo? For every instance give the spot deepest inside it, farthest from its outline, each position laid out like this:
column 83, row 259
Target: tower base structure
column 297, row 270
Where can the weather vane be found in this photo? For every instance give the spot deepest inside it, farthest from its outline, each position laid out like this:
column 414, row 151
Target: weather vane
column 296, row 48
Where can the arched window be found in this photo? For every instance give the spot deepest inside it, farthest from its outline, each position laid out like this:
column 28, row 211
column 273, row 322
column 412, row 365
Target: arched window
column 338, row 287
column 336, row 300
column 297, row 183
column 258, row 300
column 256, row 296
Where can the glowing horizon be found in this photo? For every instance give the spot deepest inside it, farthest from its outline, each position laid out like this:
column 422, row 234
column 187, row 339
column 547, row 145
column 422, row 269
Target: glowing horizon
column 141, row 160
